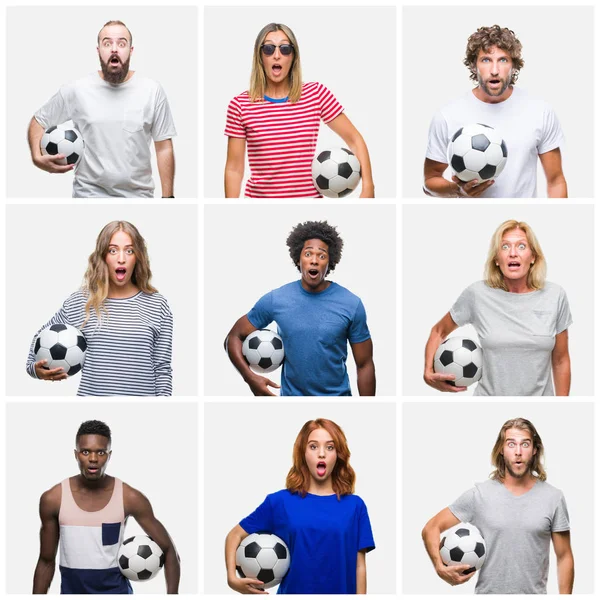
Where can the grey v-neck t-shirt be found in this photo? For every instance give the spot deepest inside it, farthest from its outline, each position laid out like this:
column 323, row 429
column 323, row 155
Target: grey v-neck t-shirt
column 517, row 334
column 517, row 532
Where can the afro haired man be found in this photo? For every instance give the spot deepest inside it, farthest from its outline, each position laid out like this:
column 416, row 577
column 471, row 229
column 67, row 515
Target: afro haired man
column 528, row 126
column 316, row 319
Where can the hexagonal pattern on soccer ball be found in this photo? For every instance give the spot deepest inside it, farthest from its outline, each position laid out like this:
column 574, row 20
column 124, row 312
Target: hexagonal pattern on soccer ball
column 463, row 544
column 62, row 346
column 60, row 139
column 336, row 172
column 263, row 350
column 140, row 558
column 477, row 152
column 461, row 357
column 263, row 556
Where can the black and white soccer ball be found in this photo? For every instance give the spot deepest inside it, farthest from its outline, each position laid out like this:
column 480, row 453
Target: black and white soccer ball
column 463, row 545
column 61, row 139
column 263, row 556
column 477, row 152
column 459, row 356
column 263, row 350
column 140, row 558
column 335, row 172
column 62, row 346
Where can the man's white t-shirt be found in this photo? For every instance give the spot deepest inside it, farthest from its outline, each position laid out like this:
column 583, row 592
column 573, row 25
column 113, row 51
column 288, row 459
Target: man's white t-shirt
column 528, row 126
column 118, row 124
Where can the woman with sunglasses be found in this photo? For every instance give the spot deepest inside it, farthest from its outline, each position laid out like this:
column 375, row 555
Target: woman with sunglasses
column 278, row 120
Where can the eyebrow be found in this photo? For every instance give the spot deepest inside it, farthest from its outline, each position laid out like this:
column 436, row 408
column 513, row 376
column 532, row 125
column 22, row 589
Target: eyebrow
column 117, row 246
column 316, row 441
column 312, row 248
column 514, row 440
column 118, row 39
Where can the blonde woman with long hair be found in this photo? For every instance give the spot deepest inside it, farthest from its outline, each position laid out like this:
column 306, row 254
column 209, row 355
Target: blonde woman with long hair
column 521, row 319
column 277, row 120
column 127, row 324
column 324, row 524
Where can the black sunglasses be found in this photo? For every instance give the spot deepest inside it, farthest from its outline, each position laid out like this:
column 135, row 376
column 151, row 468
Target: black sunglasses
column 269, row 49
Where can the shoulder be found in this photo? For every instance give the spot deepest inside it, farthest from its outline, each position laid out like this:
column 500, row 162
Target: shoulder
column 50, row 499
column 340, row 290
column 241, row 99
column 457, row 104
column 154, row 298
column 554, row 289
column 550, row 490
column 280, row 497
column 134, row 500
column 293, row 287
column 477, row 288
column 311, row 88
column 353, row 500
column 78, row 298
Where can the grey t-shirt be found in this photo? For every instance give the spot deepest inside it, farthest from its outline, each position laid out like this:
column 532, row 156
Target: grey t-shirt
column 517, row 531
column 517, row 333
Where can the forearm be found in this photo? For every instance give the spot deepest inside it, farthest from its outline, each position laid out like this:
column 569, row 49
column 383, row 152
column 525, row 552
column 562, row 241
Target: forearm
column 433, row 343
column 172, row 570
column 34, row 137
column 359, row 147
column 233, row 182
column 232, row 541
column 361, row 578
column 431, row 539
column 42, row 578
column 558, row 188
column 561, row 372
column 566, row 573
column 234, row 351
column 165, row 159
column 366, row 378
column 440, row 187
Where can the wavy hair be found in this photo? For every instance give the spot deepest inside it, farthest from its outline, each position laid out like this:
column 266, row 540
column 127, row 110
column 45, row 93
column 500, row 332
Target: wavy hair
column 537, row 467
column 258, row 78
column 501, row 37
column 536, row 276
column 315, row 230
column 343, row 475
column 96, row 278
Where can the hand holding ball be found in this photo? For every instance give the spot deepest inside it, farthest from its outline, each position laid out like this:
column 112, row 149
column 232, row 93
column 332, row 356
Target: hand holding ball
column 59, row 139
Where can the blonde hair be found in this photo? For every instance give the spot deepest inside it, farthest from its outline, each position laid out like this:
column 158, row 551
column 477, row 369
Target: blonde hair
column 536, row 276
column 96, row 278
column 537, row 466
column 258, row 78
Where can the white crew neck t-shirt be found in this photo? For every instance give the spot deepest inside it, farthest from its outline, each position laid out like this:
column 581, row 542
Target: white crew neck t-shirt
column 528, row 126
column 118, row 124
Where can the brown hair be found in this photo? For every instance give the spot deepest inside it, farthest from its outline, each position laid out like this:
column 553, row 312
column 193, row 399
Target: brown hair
column 258, row 79
column 343, row 476
column 96, row 276
column 536, row 276
column 537, row 466
column 116, row 23
column 501, row 37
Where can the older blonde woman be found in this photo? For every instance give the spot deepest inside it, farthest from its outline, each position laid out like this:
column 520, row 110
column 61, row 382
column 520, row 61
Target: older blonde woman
column 521, row 319
column 277, row 121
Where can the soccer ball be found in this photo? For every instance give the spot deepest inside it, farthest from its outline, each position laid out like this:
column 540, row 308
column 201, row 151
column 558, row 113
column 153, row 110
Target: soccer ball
column 459, row 356
column 62, row 346
column 463, row 545
column 140, row 558
column 335, row 172
column 59, row 139
column 477, row 152
column 263, row 556
column 263, row 349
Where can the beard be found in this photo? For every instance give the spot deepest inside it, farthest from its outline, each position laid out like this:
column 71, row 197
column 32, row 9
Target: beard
column 488, row 91
column 115, row 76
column 525, row 472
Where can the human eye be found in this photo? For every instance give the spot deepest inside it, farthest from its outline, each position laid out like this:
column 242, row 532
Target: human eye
column 511, row 444
column 504, row 246
column 130, row 251
column 525, row 444
column 101, row 453
column 522, row 246
column 331, row 448
column 122, row 44
column 85, row 452
column 112, row 250
column 312, row 446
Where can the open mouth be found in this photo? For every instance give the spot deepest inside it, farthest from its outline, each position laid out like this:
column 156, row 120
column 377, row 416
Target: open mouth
column 321, row 469
column 92, row 470
column 120, row 273
column 115, row 60
column 276, row 69
column 513, row 264
column 313, row 273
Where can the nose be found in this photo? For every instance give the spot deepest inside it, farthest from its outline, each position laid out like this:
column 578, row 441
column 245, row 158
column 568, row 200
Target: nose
column 93, row 457
column 277, row 54
column 513, row 251
column 321, row 453
column 121, row 257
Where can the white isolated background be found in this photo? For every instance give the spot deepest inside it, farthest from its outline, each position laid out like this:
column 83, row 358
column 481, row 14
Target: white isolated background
column 444, row 251
column 245, row 256
column 434, row 40
column 155, row 445
column 254, row 449
column 452, row 443
column 47, row 250
column 349, row 49
column 50, row 46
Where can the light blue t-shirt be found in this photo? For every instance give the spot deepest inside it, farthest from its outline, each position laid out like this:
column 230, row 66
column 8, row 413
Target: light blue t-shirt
column 316, row 329
column 323, row 534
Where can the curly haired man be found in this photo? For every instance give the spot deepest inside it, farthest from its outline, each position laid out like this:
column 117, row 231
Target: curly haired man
column 528, row 126
column 316, row 319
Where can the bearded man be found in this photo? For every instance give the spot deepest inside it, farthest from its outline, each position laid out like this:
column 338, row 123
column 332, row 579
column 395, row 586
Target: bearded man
column 518, row 513
column 119, row 113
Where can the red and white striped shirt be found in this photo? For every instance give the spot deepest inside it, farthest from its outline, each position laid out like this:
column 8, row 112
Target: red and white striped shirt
column 281, row 140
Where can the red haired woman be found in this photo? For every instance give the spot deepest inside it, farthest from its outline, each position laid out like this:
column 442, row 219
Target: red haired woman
column 325, row 526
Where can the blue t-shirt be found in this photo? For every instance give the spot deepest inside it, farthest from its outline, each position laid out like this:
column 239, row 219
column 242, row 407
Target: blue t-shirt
column 323, row 534
column 316, row 328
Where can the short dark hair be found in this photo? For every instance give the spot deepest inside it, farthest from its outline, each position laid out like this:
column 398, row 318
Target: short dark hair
column 116, row 23
column 315, row 230
column 93, row 428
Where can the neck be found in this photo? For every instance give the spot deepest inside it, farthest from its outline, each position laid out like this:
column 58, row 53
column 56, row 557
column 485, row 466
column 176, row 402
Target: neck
column 315, row 290
column 127, row 77
column 122, row 292
column 481, row 95
column 321, row 488
column 517, row 286
column 278, row 90
column 522, row 484
column 98, row 484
